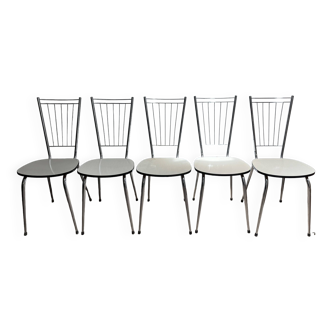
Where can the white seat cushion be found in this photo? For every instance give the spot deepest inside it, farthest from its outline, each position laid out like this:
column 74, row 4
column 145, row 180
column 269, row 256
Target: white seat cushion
column 282, row 167
column 106, row 167
column 48, row 167
column 164, row 167
column 224, row 166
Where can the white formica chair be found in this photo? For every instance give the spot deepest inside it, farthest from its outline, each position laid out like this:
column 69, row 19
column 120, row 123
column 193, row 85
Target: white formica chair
column 61, row 120
column 113, row 116
column 165, row 117
column 270, row 120
column 215, row 117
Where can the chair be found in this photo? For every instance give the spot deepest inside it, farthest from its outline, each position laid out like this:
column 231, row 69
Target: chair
column 215, row 117
column 271, row 117
column 60, row 124
column 113, row 116
column 166, row 121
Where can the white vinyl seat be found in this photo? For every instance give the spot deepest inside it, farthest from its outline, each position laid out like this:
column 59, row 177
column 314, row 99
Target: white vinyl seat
column 110, row 135
column 56, row 135
column 164, row 119
column 105, row 168
column 215, row 118
column 282, row 167
column 222, row 166
column 270, row 121
column 48, row 167
column 164, row 167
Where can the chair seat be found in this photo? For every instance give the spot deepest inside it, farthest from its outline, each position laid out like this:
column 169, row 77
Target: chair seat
column 222, row 166
column 48, row 167
column 164, row 167
column 282, row 167
column 108, row 167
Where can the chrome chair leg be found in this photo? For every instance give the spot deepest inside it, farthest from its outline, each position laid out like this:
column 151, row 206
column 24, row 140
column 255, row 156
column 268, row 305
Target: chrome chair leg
column 249, row 177
column 231, row 189
column 69, row 202
column 149, row 198
column 186, row 201
column 281, row 199
column 200, row 202
column 141, row 207
column 87, row 190
column 90, row 198
column 128, row 204
column 263, row 202
column 83, row 202
column 197, row 176
column 24, row 206
column 133, row 183
column 309, row 205
column 100, row 190
column 244, row 186
column 50, row 186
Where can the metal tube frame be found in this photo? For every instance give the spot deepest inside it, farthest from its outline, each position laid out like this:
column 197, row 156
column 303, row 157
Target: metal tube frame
column 183, row 181
column 200, row 202
column 262, row 204
column 69, row 201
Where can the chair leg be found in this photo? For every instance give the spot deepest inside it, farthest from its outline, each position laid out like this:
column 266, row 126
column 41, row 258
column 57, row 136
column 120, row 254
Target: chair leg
column 249, row 177
column 24, row 206
column 87, row 190
column 142, row 202
column 90, row 198
column 133, row 183
column 281, row 199
column 244, row 186
column 100, row 190
column 149, row 198
column 200, row 202
column 262, row 205
column 69, row 202
column 83, row 202
column 231, row 189
column 128, row 204
column 309, row 205
column 186, row 200
column 51, row 191
column 197, row 176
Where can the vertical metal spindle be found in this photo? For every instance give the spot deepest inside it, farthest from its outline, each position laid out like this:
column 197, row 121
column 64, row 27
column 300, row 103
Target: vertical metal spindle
column 263, row 123
column 170, row 126
column 113, row 124
column 108, row 125
column 268, row 119
column 274, row 130
column 165, row 124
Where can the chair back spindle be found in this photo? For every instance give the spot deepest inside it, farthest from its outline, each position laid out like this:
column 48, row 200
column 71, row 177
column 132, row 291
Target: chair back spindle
column 215, row 117
column 165, row 121
column 112, row 119
column 60, row 120
column 270, row 120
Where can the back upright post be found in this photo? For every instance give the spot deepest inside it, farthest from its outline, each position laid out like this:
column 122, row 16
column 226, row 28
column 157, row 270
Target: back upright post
column 180, row 133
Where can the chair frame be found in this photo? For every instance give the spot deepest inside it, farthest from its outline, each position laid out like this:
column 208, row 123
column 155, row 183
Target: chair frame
column 61, row 137
column 212, row 136
column 272, row 136
column 172, row 139
column 113, row 102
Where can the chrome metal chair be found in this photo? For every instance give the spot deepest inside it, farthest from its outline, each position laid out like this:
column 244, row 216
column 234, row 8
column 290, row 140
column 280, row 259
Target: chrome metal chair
column 215, row 117
column 271, row 117
column 114, row 117
column 60, row 124
column 166, row 121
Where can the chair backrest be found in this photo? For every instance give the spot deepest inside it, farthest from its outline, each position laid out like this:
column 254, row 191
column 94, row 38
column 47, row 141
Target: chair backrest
column 215, row 117
column 165, row 120
column 270, row 121
column 113, row 116
column 60, row 119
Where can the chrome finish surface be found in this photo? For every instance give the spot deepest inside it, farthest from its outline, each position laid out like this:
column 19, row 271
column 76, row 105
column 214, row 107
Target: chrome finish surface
column 197, row 176
column 186, row 201
column 309, row 206
column 200, row 202
column 244, row 186
column 262, row 204
column 282, row 189
column 133, row 183
column 24, row 206
column 69, row 202
column 142, row 202
column 50, row 187
column 128, row 204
